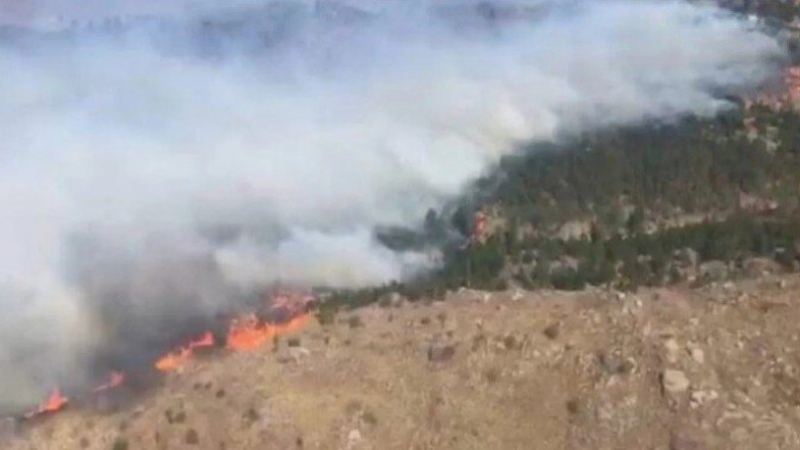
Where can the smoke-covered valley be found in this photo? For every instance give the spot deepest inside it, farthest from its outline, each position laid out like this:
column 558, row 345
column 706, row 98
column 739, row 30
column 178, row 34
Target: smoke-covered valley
column 155, row 173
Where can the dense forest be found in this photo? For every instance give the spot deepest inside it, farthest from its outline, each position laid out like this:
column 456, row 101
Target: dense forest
column 737, row 176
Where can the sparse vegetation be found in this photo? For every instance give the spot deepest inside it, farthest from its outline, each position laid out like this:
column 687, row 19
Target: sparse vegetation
column 369, row 418
column 293, row 341
column 251, row 415
column 353, row 406
column 355, row 321
column 120, row 443
column 173, row 417
column 510, row 342
column 492, row 375
column 552, row 331
column 573, row 406
column 192, row 437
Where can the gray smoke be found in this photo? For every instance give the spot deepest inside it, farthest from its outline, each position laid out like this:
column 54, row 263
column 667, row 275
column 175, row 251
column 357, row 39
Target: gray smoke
column 158, row 172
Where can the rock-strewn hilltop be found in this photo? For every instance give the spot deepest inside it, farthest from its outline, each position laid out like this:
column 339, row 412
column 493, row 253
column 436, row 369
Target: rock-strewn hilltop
column 675, row 368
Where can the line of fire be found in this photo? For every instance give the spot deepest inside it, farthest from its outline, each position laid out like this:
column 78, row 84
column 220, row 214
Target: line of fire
column 287, row 312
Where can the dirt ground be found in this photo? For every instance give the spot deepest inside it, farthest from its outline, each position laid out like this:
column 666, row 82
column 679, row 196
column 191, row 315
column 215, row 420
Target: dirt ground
column 679, row 369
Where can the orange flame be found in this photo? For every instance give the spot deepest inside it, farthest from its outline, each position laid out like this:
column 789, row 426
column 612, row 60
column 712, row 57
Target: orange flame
column 54, row 402
column 174, row 359
column 114, row 379
column 248, row 332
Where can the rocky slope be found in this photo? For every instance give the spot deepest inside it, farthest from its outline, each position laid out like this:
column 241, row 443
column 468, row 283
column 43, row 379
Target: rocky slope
column 715, row 367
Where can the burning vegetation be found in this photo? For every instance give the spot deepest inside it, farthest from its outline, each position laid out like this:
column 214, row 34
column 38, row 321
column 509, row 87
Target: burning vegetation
column 287, row 312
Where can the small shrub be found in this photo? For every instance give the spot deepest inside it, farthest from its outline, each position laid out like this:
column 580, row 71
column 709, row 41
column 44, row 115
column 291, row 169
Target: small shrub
column 84, row 443
column 510, row 342
column 192, row 438
column 251, row 415
column 369, row 418
column 425, row 320
column 120, row 443
column 552, row 331
column 573, row 406
column 220, row 393
column 293, row 342
column 353, row 406
column 326, row 313
column 180, row 417
column 355, row 321
column 479, row 341
column 492, row 375
column 442, row 317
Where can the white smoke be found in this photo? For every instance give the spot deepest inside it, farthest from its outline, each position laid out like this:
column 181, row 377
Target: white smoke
column 139, row 180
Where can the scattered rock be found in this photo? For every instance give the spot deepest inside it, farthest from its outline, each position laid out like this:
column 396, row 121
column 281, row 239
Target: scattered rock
column 353, row 438
column 673, row 350
column 674, row 381
column 614, row 364
column 700, row 398
column 292, row 354
column 698, row 355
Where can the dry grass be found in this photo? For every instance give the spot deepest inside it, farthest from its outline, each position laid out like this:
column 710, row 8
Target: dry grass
column 514, row 381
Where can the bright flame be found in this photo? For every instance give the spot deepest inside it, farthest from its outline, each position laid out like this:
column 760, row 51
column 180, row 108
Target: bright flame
column 244, row 333
column 54, row 402
column 247, row 332
column 174, row 359
column 114, row 379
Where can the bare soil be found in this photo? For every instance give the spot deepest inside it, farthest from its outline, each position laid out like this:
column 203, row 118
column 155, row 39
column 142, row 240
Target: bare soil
column 716, row 367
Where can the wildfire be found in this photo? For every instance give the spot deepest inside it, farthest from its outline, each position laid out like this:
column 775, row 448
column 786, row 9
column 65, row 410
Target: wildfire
column 114, row 380
column 174, row 359
column 247, row 333
column 54, row 402
column 244, row 333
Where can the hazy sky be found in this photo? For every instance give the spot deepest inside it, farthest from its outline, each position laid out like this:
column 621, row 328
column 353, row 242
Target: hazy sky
column 30, row 10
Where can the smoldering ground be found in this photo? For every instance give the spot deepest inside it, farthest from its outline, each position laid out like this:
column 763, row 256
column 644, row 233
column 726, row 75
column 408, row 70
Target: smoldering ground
column 159, row 172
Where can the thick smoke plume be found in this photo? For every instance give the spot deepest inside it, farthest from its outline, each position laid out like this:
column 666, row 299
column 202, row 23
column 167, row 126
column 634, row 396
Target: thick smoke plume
column 154, row 173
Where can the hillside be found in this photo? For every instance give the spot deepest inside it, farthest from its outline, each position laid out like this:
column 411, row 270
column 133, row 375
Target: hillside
column 678, row 368
column 648, row 205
